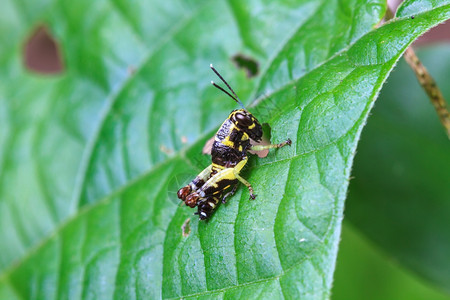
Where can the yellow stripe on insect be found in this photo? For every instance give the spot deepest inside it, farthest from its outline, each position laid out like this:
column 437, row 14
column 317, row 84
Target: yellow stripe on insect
column 226, row 141
column 217, row 167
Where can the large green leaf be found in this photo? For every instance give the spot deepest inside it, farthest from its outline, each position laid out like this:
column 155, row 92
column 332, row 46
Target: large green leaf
column 401, row 191
column 107, row 132
column 90, row 161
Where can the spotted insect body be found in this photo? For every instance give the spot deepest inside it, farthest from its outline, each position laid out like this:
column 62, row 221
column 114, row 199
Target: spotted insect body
column 229, row 155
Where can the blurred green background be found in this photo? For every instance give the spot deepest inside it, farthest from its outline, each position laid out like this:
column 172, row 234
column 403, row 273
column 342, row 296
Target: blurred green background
column 396, row 238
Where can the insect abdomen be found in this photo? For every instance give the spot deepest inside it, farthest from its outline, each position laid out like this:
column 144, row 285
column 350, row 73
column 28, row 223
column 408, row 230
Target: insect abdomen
column 206, row 208
column 217, row 187
column 225, row 156
column 230, row 145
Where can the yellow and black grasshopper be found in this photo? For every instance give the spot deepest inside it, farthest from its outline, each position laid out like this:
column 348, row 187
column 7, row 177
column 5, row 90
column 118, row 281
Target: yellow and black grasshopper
column 229, row 156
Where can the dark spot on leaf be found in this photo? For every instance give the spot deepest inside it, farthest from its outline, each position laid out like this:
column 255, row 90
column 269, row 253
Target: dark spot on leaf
column 41, row 53
column 412, row 17
column 131, row 70
column 250, row 65
column 186, row 228
column 165, row 150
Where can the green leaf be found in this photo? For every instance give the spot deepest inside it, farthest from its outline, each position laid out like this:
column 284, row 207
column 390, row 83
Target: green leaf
column 91, row 160
column 399, row 197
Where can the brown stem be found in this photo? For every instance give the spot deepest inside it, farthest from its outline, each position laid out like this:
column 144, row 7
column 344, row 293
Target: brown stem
column 430, row 87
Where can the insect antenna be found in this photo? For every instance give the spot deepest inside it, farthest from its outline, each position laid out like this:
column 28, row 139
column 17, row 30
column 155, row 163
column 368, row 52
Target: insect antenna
column 223, row 90
column 235, row 98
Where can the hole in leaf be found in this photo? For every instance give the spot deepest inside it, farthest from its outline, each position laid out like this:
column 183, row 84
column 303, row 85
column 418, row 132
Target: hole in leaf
column 186, row 228
column 208, row 146
column 250, row 65
column 41, row 53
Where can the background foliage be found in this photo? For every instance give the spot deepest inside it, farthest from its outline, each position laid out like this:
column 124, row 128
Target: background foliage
column 398, row 199
column 90, row 160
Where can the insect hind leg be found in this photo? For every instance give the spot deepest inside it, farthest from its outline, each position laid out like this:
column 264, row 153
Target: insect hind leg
column 247, row 184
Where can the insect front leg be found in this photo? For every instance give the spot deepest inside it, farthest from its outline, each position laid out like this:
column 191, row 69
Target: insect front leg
column 264, row 147
column 237, row 169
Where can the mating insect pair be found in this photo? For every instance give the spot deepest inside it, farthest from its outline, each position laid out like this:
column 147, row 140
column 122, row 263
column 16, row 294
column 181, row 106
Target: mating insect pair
column 229, row 156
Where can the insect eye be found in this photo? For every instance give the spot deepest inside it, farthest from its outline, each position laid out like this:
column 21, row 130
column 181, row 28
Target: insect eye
column 243, row 120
